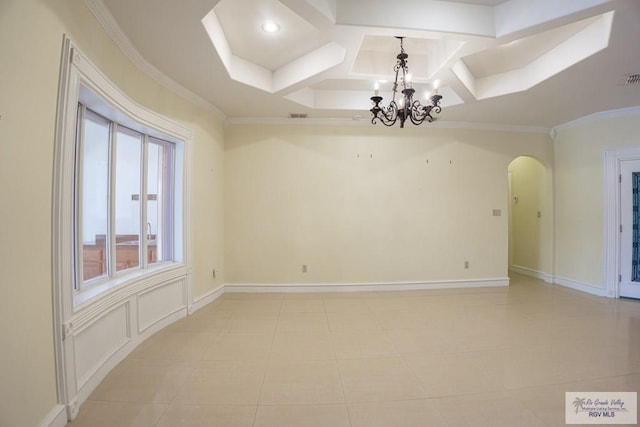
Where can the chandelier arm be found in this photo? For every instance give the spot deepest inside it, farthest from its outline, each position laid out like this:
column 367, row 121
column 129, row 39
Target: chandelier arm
column 386, row 115
column 418, row 113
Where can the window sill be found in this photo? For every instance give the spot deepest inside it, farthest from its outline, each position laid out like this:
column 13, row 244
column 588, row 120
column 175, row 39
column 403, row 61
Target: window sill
column 126, row 284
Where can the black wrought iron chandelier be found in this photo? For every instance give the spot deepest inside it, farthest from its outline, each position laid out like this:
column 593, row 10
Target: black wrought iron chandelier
column 406, row 107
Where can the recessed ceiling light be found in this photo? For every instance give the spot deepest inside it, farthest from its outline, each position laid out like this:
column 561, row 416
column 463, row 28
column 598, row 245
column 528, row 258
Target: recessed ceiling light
column 270, row 27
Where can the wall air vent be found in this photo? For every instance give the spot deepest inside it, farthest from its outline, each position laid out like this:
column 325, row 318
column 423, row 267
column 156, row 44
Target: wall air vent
column 298, row 116
column 631, row 79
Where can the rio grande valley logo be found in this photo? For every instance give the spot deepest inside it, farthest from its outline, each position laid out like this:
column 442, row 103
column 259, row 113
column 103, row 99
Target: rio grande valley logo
column 601, row 407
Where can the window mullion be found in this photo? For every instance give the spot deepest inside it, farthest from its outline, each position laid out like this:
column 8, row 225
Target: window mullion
column 79, row 275
column 144, row 222
column 169, row 204
column 111, row 221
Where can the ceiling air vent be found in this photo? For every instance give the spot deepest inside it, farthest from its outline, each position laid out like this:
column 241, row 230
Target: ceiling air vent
column 298, row 115
column 631, row 79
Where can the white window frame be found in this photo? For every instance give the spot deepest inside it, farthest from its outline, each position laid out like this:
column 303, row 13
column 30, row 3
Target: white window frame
column 88, row 288
column 73, row 311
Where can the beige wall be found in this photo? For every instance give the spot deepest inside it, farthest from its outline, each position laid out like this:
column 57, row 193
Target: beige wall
column 30, row 44
column 531, row 207
column 579, row 193
column 368, row 204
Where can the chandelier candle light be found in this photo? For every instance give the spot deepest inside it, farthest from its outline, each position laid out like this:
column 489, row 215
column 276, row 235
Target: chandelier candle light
column 405, row 108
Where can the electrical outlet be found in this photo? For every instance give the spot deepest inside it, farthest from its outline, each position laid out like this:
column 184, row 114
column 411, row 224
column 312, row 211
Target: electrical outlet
column 466, row 264
column 214, row 273
column 304, row 268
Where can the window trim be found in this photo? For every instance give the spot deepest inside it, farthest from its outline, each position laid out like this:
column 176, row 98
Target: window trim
column 73, row 317
column 76, row 76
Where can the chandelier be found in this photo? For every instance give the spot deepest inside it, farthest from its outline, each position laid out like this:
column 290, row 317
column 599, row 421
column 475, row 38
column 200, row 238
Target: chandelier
column 405, row 107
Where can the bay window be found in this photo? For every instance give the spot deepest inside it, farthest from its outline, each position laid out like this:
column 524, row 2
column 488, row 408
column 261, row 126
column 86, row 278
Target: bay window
column 124, row 195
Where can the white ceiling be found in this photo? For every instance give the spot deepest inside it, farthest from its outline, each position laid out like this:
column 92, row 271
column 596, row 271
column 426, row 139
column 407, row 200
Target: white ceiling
column 510, row 62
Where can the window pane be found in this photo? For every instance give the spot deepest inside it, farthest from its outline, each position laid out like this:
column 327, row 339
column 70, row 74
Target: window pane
column 127, row 198
column 94, row 188
column 158, row 201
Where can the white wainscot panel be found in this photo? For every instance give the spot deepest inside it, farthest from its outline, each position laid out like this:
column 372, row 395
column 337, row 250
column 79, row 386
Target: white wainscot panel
column 99, row 341
column 160, row 302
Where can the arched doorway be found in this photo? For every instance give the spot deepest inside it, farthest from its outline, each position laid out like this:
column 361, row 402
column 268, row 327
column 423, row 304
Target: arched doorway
column 530, row 218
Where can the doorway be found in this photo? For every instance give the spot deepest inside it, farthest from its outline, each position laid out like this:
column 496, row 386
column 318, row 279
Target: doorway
column 530, row 218
column 629, row 282
column 619, row 168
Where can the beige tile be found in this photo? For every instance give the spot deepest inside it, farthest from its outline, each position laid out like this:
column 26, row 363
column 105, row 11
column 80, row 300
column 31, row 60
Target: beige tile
column 200, row 322
column 175, row 346
column 208, row 416
column 619, row 383
column 407, row 341
column 390, row 320
column 255, row 303
column 302, row 346
column 213, row 309
column 261, row 308
column 390, row 302
column 306, row 382
column 240, row 347
column 453, row 374
column 302, row 416
column 407, row 413
column 528, row 366
column 109, row 414
column 375, row 380
column 306, row 305
column 143, row 381
column 254, row 315
column 498, row 340
column 487, row 410
column 546, row 402
column 353, row 322
column 250, row 326
column 303, row 322
column 496, row 357
column 346, row 305
column 224, row 383
column 362, row 345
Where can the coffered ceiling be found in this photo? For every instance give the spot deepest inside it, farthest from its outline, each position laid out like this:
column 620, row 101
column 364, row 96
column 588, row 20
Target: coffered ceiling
column 527, row 63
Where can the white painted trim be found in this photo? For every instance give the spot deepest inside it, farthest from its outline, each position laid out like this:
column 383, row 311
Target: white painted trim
column 113, row 30
column 127, row 287
column 207, row 298
column 611, row 114
column 364, row 287
column 580, row 286
column 611, row 187
column 142, row 328
column 61, row 213
column 532, row 273
column 57, row 417
column 365, row 121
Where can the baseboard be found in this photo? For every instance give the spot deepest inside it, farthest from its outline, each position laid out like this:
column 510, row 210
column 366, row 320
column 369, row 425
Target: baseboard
column 580, row 286
column 57, row 417
column 207, row 298
column 532, row 273
column 364, row 287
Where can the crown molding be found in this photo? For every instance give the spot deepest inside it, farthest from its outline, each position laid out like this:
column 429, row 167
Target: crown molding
column 602, row 115
column 113, row 30
column 362, row 121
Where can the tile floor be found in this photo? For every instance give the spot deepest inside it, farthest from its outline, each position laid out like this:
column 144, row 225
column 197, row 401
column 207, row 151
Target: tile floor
column 467, row 357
